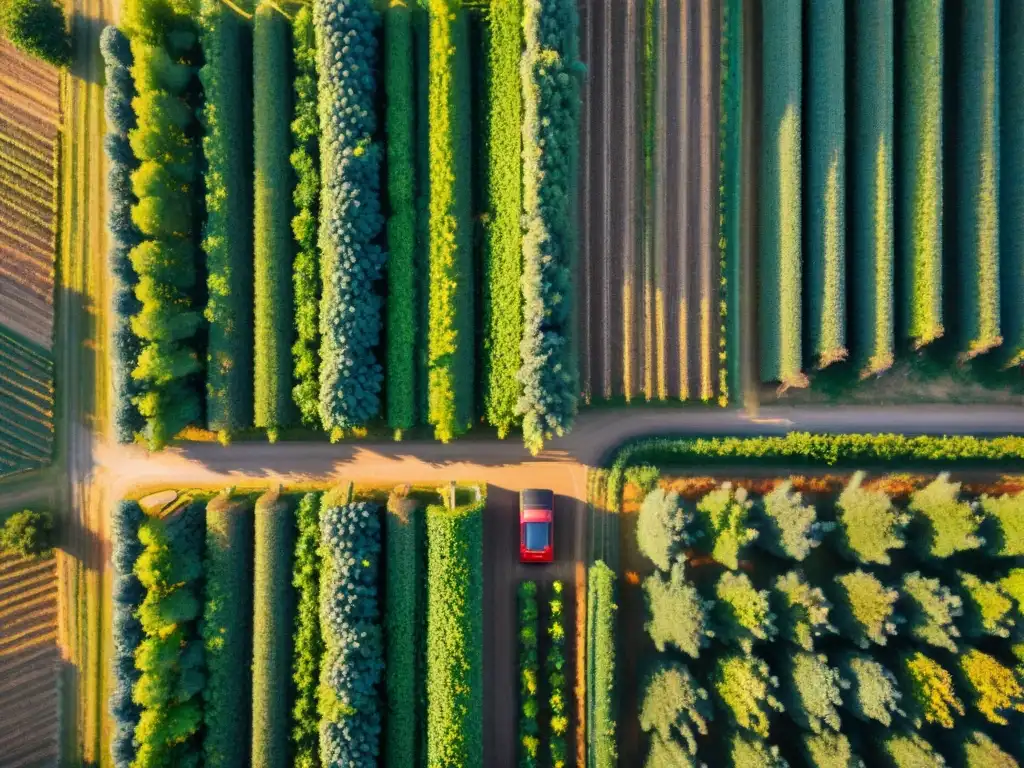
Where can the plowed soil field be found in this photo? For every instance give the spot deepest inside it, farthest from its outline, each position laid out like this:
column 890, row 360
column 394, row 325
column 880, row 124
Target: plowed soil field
column 29, row 663
column 29, row 125
column 649, row 261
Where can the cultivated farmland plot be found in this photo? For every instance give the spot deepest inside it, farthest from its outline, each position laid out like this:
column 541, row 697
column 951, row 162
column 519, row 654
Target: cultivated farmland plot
column 648, row 270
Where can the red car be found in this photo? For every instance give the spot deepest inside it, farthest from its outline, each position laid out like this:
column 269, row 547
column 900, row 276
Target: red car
column 536, row 526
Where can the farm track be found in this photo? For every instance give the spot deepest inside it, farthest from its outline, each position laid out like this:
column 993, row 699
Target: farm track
column 29, row 662
column 626, row 305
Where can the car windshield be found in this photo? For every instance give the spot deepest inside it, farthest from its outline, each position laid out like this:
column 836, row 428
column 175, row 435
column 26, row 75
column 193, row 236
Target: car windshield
column 537, row 535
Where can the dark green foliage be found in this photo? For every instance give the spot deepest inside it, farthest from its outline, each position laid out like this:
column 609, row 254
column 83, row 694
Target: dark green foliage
column 529, row 676
column 38, row 28
column 272, row 630
column 1011, row 179
column 788, row 526
column 874, row 693
column 661, row 528
column 455, row 636
column 801, row 610
column 403, row 296
column 551, row 75
column 678, row 615
column 307, row 642
column 674, row 705
column 602, row 702
column 28, row 533
column 948, row 524
column 305, row 159
column 272, row 368
column 403, row 631
column 227, row 632
column 350, row 217
column 812, row 692
column 930, row 610
column 118, row 93
column 864, row 608
column 353, row 662
column 226, row 117
column 730, row 207
column 127, row 596
column 742, row 613
column 503, row 257
column 869, row 524
column 170, row 657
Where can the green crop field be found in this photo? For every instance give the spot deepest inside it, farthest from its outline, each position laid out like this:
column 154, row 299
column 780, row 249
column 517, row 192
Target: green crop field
column 26, row 395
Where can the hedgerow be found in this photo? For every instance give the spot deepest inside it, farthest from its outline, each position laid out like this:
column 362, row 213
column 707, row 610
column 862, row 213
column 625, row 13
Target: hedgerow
column 502, row 255
column 350, row 216
column 779, row 272
column 305, row 160
column 450, row 333
column 118, row 93
column 353, row 661
column 602, row 710
column 227, row 632
column 454, row 636
column 272, row 368
column 1011, row 179
column 272, row 629
column 164, row 260
column 826, row 182
column 127, row 596
column 307, row 642
column 403, row 630
column 920, row 169
column 559, row 698
column 226, row 117
column 529, row 676
column 170, row 657
column 551, row 74
column 403, row 296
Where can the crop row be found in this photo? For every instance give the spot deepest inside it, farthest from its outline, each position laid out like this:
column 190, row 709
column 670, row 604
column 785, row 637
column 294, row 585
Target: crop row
column 26, row 397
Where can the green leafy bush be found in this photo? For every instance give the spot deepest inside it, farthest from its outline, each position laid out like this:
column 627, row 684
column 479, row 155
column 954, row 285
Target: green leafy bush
column 678, row 615
column 529, row 675
column 668, row 754
column 307, row 641
column 747, row 751
column 788, row 527
column 722, row 523
column 813, row 692
column 602, row 750
column 874, row 692
column 996, row 690
column 226, row 631
column 830, row 750
column 661, row 528
column 350, row 216
column 910, row 750
column 556, row 665
column 981, row 752
column 674, row 705
column 455, row 636
column 28, row 533
column 869, row 524
column 551, row 75
column 988, row 609
column 744, row 690
column 272, row 629
column 930, row 694
column 742, row 613
column 948, row 524
column 1004, row 516
column 802, row 611
column 353, row 660
column 38, row 28
column 864, row 608
column 930, row 611
column 305, row 160
column 227, row 240
column 127, row 596
column 272, row 365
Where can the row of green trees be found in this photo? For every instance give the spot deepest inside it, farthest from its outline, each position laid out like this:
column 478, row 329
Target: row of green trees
column 127, row 596
column 602, row 694
column 308, row 644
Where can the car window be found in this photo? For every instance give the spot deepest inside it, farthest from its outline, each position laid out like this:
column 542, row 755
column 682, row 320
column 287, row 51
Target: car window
column 537, row 536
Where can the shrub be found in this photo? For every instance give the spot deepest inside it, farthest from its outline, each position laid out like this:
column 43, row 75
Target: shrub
column 1004, row 516
column 305, row 160
column 272, row 628
column 830, row 750
column 801, row 610
column 272, row 370
column 350, row 217
column 988, row 609
column 353, row 661
column 307, row 642
column 788, row 527
column 28, row 533
column 38, row 28
column 170, row 657
column 930, row 611
column 679, row 616
column 551, row 74
column 226, row 631
column 118, row 93
column 869, row 524
column 948, row 524
column 661, row 528
column 226, row 116
column 746, row 751
column 1011, row 179
column 722, row 519
column 779, row 271
column 813, row 693
column 675, row 704
column 743, row 688
column 920, row 182
column 450, row 342
column 529, row 675
column 910, row 750
column 977, row 175
column 602, row 750
column 930, row 693
column 872, row 187
column 874, row 693
column 981, row 752
column 502, row 256
column 454, row 636
column 826, row 182
column 403, row 632
column 741, row 612
column 556, row 665
column 864, row 608
column 127, row 598
column 995, row 688
column 668, row 754
column 403, row 297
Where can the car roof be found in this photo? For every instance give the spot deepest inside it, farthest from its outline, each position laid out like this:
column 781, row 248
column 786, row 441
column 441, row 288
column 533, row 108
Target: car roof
column 532, row 497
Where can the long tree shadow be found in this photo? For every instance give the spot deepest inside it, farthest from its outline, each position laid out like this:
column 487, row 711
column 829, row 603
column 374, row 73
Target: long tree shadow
column 86, row 62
